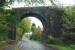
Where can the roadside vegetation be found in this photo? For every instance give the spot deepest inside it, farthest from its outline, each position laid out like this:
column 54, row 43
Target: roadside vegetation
column 65, row 42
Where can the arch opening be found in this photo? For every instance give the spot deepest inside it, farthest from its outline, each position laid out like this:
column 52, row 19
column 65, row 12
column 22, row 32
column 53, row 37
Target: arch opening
column 35, row 28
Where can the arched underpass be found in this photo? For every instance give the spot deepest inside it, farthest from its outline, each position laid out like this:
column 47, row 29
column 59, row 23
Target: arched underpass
column 51, row 19
column 38, row 17
column 39, row 20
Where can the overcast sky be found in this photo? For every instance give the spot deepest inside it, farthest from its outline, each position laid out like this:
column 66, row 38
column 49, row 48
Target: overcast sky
column 67, row 2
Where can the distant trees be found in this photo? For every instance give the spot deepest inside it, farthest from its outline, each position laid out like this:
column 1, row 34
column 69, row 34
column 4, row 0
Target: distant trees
column 36, row 32
column 33, row 29
column 39, row 33
column 24, row 27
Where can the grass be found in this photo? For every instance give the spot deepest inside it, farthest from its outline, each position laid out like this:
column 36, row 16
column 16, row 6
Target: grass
column 62, row 47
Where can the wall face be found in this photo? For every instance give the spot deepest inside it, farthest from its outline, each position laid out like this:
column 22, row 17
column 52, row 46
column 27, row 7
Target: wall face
column 50, row 18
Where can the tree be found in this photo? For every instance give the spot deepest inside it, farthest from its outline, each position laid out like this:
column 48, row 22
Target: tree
column 36, row 32
column 7, row 21
column 69, row 18
column 33, row 29
column 69, row 25
column 24, row 27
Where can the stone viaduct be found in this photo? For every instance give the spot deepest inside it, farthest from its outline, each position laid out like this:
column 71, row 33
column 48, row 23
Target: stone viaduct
column 51, row 19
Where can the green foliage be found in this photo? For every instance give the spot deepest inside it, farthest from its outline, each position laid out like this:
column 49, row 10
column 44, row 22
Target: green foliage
column 68, row 36
column 7, row 21
column 24, row 27
column 36, row 32
column 69, row 25
column 62, row 47
column 69, row 18
column 33, row 28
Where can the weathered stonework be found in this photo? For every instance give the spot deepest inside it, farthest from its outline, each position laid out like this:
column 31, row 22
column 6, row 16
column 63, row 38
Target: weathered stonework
column 51, row 18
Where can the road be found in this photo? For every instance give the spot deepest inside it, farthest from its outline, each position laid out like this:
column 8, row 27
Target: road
column 29, row 45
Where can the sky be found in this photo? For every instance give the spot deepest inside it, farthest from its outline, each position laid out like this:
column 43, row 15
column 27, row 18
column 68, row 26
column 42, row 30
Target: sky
column 67, row 2
column 47, row 3
column 36, row 21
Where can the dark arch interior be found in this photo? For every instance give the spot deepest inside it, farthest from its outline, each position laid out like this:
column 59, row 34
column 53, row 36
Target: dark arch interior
column 36, row 15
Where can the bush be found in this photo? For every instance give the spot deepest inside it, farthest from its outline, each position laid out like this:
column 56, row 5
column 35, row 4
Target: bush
column 69, row 39
column 52, row 40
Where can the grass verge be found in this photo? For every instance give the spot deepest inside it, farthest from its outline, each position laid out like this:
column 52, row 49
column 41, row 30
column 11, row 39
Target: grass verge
column 62, row 47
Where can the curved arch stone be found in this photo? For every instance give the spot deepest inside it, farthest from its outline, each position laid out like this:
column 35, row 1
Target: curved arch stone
column 51, row 19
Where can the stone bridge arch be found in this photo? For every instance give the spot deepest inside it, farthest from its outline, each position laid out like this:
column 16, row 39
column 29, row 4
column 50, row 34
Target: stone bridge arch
column 38, row 16
column 51, row 19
